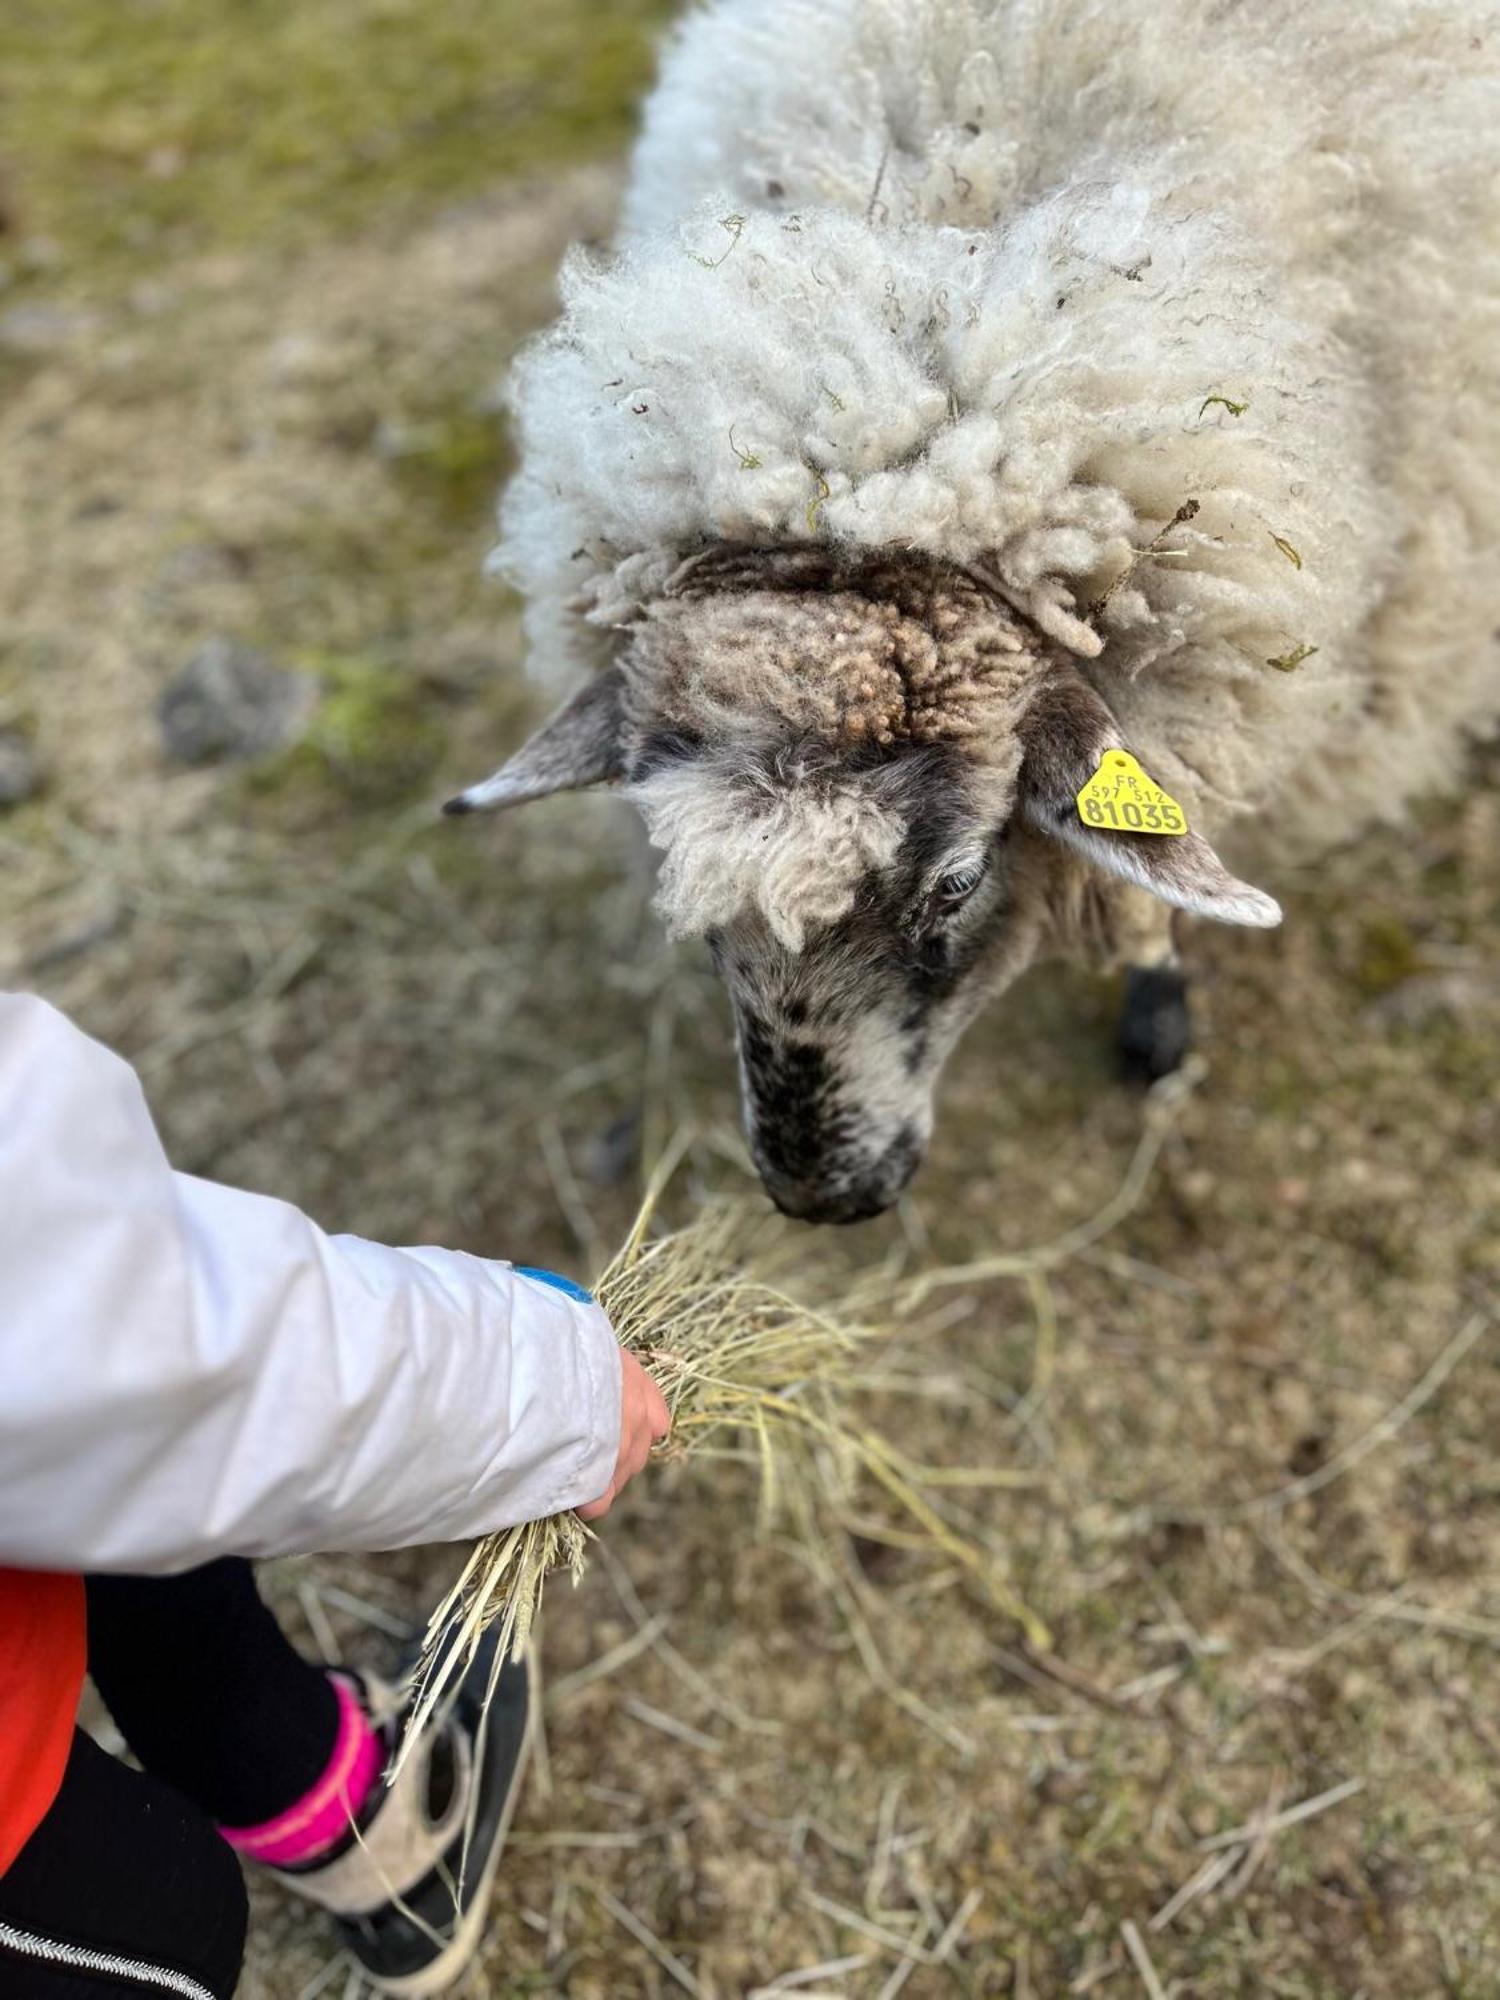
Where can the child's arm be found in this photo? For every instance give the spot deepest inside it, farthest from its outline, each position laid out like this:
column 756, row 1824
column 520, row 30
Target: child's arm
column 187, row 1370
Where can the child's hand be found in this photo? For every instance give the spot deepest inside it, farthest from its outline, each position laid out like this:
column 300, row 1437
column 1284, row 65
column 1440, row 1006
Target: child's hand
column 644, row 1421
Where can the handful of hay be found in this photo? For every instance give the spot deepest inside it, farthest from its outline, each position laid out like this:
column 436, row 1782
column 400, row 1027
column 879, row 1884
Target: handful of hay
column 736, row 1360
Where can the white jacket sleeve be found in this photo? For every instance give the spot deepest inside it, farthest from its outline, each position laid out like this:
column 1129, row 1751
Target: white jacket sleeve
column 188, row 1371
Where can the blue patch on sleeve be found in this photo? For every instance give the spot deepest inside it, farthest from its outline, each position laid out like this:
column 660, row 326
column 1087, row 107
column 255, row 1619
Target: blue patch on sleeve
column 564, row 1285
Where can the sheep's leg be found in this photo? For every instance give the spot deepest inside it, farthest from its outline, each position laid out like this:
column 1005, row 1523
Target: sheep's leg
column 1155, row 1028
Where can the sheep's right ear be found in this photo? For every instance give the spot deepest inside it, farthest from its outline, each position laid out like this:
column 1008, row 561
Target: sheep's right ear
column 1066, row 733
column 578, row 745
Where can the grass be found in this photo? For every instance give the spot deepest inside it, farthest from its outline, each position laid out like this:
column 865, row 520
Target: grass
column 143, row 131
column 374, row 739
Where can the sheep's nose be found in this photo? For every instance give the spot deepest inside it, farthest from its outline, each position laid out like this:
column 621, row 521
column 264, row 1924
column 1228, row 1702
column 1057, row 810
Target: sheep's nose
column 836, row 1204
column 845, row 1197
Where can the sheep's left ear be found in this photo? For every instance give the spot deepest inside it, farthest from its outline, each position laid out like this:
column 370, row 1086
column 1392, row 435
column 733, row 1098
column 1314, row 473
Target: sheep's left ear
column 578, row 745
column 1065, row 735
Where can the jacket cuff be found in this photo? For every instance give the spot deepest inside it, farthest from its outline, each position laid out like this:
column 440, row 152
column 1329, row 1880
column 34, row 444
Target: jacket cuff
column 592, row 1467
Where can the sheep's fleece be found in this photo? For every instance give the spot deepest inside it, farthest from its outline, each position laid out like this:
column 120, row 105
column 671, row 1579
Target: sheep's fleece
column 960, row 277
column 978, row 387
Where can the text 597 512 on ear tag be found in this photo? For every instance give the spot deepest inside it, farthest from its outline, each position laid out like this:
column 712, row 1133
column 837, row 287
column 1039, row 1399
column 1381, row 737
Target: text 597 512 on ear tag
column 1120, row 798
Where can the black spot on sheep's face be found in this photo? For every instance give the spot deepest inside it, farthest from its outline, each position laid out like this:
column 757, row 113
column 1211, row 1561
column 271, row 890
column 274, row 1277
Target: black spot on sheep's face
column 842, row 1041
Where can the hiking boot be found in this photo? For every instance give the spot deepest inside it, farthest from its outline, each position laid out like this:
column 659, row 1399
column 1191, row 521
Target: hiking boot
column 409, row 1888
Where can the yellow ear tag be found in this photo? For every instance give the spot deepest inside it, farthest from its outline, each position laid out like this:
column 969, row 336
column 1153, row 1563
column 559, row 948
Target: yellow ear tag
column 1120, row 798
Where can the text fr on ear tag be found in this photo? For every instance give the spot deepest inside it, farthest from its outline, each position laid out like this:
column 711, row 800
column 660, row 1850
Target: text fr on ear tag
column 1120, row 798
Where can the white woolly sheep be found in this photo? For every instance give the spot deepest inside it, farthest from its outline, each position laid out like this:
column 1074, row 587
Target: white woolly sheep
column 976, row 389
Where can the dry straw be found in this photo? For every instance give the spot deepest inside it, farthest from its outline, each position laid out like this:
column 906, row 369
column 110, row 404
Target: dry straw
column 738, row 1359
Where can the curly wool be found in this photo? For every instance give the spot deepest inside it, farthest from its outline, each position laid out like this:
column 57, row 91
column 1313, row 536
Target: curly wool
column 1005, row 285
column 857, row 655
column 726, row 847
column 784, row 665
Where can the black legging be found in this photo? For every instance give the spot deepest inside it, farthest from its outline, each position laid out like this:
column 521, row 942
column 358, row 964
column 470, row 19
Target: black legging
column 231, row 1725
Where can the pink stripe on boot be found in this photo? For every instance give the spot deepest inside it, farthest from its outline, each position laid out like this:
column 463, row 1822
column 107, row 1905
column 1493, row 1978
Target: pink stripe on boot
column 324, row 1814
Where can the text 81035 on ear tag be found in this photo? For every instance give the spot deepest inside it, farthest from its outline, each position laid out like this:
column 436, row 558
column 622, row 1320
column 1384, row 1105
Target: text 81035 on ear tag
column 1120, row 798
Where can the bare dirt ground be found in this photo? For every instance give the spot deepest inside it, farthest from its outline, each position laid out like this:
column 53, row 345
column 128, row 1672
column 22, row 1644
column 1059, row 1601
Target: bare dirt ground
column 1257, row 1427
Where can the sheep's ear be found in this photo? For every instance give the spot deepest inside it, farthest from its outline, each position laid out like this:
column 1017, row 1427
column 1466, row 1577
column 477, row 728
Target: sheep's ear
column 578, row 745
column 1065, row 735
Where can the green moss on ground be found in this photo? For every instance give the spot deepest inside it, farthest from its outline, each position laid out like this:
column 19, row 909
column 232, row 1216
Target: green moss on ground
column 1389, row 954
column 454, row 457
column 142, row 130
column 373, row 738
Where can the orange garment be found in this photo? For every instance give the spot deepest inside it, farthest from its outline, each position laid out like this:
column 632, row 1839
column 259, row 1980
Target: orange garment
column 43, row 1651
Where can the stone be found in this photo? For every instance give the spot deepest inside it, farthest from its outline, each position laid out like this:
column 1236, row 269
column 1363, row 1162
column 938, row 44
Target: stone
column 231, row 703
column 20, row 776
column 40, row 329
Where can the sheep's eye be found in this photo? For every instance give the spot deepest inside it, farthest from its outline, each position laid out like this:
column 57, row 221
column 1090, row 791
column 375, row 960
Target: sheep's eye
column 946, row 896
column 958, row 885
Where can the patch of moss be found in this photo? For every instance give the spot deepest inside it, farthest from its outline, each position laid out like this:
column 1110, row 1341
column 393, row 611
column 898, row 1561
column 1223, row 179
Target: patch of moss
column 143, row 130
column 374, row 739
column 1388, row 955
column 454, row 458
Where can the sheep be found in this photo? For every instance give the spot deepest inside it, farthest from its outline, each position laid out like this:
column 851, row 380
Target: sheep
column 977, row 389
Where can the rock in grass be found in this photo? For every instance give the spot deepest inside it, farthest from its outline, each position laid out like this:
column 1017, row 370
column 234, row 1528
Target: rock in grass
column 231, row 703
column 20, row 776
column 39, row 330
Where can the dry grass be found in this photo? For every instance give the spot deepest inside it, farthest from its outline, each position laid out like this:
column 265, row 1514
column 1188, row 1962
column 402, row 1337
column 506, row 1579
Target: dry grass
column 1262, row 1515
column 734, row 1357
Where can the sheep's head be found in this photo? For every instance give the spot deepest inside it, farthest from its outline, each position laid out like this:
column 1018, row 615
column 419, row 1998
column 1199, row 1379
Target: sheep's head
column 862, row 780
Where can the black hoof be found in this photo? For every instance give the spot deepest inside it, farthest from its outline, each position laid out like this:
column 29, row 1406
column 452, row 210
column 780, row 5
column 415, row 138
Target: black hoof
column 1156, row 1023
